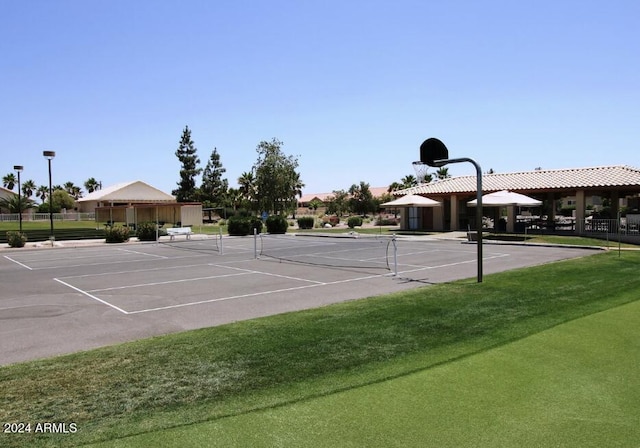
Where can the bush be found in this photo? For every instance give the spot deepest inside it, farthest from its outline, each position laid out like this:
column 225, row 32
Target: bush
column 354, row 221
column 117, row 234
column 243, row 225
column 277, row 224
column 237, row 226
column 146, row 231
column 16, row 239
column 306, row 222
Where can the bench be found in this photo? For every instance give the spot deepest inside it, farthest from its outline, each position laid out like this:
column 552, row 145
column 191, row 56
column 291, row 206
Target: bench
column 172, row 232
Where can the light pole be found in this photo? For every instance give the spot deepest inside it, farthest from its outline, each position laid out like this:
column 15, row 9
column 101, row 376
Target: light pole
column 19, row 169
column 49, row 155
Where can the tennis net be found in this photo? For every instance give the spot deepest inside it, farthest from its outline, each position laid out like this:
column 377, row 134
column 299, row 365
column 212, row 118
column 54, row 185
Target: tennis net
column 372, row 252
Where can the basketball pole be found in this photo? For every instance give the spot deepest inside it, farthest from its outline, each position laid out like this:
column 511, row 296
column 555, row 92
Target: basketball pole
column 478, row 205
column 435, row 153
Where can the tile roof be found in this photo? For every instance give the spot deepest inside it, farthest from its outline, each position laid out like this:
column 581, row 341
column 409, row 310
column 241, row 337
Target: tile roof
column 539, row 180
column 375, row 191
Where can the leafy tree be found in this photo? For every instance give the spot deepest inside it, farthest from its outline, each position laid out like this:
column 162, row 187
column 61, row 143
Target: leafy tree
column 60, row 199
column 338, row 204
column 9, row 181
column 277, row 181
column 28, row 187
column 91, row 185
column 214, row 187
column 361, row 201
column 186, row 153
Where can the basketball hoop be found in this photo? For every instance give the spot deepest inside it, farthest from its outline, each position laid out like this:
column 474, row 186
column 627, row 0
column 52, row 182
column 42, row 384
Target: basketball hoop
column 421, row 171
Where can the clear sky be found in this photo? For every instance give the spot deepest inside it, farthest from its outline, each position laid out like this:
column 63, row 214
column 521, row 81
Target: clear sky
column 351, row 87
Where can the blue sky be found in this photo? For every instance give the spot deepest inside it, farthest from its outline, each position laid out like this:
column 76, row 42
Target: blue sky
column 351, row 87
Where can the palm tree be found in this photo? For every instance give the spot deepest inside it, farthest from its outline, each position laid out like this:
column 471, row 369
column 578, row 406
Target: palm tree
column 73, row 190
column 42, row 193
column 233, row 197
column 15, row 204
column 9, row 181
column 394, row 186
column 443, row 173
column 28, row 187
column 91, row 185
column 409, row 181
column 247, row 183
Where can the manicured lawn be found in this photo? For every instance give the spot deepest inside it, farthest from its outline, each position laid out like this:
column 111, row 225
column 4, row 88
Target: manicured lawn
column 575, row 385
column 226, row 372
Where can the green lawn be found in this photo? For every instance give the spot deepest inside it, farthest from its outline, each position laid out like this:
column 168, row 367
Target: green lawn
column 216, row 373
column 575, row 385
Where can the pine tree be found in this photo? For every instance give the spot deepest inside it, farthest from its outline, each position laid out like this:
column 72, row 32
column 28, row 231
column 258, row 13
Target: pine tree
column 214, row 187
column 186, row 153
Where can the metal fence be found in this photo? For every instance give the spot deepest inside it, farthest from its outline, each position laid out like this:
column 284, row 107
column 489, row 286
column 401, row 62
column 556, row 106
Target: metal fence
column 69, row 216
column 625, row 226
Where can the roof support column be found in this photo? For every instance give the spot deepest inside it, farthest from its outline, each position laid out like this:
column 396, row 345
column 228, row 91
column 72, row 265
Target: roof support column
column 511, row 218
column 455, row 222
column 580, row 211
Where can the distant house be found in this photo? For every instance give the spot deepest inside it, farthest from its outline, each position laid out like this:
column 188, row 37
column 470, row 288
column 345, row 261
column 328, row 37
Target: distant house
column 136, row 201
column 5, row 193
column 305, row 201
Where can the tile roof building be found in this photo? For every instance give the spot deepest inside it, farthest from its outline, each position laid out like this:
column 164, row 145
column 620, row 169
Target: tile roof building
column 613, row 182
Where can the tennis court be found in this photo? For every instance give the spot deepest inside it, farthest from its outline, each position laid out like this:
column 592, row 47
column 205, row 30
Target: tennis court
column 56, row 301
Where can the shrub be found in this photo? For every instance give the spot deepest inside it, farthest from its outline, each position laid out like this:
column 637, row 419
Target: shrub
column 277, row 224
column 237, row 226
column 243, row 225
column 256, row 223
column 146, row 231
column 117, row 234
column 354, row 221
column 306, row 222
column 16, row 239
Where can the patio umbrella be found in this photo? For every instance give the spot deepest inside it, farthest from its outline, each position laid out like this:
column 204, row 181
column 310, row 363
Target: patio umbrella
column 412, row 200
column 504, row 198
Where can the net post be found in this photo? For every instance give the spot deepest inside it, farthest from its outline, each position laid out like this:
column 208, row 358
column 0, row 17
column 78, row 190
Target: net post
column 255, row 243
column 395, row 256
column 221, row 246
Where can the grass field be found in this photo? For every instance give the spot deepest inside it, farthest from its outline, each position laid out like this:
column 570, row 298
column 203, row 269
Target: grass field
column 341, row 365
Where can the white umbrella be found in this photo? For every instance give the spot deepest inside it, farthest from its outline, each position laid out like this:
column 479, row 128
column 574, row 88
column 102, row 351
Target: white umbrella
column 505, row 198
column 412, row 200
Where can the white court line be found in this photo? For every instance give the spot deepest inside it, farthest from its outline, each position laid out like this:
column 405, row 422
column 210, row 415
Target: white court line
column 92, row 296
column 270, row 274
column 137, row 260
column 253, row 294
column 18, row 263
column 425, row 268
column 143, row 253
column 133, row 271
column 168, row 282
column 295, row 288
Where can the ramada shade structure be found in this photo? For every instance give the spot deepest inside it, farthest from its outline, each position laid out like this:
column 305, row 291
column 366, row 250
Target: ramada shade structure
column 506, row 198
column 412, row 200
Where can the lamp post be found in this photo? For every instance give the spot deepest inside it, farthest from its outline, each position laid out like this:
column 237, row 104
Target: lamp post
column 19, row 169
column 49, row 155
